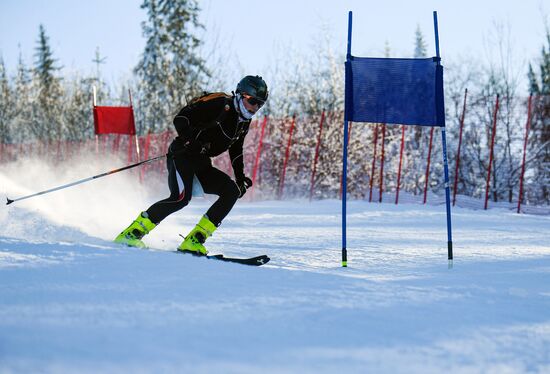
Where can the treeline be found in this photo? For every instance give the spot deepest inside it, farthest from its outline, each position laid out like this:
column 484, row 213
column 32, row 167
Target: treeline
column 40, row 103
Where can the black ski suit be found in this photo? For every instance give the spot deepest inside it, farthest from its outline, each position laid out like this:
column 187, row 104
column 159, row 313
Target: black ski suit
column 207, row 127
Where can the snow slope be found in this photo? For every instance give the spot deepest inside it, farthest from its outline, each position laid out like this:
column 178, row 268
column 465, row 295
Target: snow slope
column 71, row 301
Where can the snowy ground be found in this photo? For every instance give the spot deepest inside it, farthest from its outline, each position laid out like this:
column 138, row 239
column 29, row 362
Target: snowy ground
column 71, row 301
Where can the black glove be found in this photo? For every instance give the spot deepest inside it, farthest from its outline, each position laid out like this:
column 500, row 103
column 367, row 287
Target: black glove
column 243, row 183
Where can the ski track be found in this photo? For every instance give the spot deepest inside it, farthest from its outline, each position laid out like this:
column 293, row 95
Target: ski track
column 72, row 301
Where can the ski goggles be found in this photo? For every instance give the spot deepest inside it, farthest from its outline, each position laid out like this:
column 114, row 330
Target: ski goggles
column 253, row 101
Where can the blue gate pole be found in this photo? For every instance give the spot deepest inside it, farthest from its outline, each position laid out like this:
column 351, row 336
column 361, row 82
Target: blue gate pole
column 440, row 109
column 345, row 155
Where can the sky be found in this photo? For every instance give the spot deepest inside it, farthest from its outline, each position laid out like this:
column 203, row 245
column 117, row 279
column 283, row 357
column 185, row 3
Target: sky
column 247, row 37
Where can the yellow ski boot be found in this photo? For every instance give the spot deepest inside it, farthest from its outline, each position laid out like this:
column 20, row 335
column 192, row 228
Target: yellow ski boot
column 194, row 241
column 137, row 230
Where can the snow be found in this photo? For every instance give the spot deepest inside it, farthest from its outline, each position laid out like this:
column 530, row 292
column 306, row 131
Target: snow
column 73, row 301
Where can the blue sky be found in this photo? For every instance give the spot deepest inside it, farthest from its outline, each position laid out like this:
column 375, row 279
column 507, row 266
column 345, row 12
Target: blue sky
column 253, row 33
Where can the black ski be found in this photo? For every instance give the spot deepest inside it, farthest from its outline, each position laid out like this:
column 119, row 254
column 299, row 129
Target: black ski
column 252, row 261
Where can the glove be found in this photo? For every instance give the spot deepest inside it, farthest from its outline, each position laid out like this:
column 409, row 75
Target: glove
column 243, row 183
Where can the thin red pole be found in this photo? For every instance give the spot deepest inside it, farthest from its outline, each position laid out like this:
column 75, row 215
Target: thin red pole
column 135, row 135
column 129, row 148
column 116, row 144
column 146, row 151
column 459, row 144
column 94, row 103
column 316, row 155
column 400, row 163
column 428, row 165
column 349, row 137
column 112, row 143
column 491, row 153
column 163, row 138
column 104, row 143
column 138, row 140
column 258, row 154
column 287, row 156
column 247, row 150
column 382, row 157
column 373, row 162
column 527, row 126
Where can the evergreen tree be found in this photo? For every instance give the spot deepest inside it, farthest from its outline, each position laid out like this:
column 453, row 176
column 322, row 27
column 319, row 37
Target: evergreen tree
column 102, row 91
column 417, row 138
column 539, row 137
column 152, row 72
column 170, row 70
column 21, row 123
column 47, row 109
column 6, row 104
column 78, row 113
column 188, row 72
column 420, row 47
column 45, row 64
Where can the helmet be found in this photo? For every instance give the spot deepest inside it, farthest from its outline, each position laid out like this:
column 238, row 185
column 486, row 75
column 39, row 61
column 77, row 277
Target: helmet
column 254, row 86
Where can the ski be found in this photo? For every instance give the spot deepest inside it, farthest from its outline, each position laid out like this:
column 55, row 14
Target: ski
column 252, row 261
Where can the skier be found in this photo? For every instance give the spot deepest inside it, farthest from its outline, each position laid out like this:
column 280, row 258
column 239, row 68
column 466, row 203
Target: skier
column 206, row 127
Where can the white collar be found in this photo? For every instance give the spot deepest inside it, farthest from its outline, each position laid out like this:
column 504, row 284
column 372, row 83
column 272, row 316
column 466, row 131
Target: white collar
column 244, row 114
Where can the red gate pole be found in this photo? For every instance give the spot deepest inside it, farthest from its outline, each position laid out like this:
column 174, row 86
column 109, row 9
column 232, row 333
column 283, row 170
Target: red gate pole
column 146, row 152
column 373, row 162
column 400, row 163
column 382, row 154
column 491, row 153
column 257, row 160
column 527, row 126
column 104, row 143
column 116, row 144
column 130, row 149
column 316, row 155
column 165, row 137
column 287, row 155
column 459, row 144
column 428, row 165
column 248, row 149
column 349, row 137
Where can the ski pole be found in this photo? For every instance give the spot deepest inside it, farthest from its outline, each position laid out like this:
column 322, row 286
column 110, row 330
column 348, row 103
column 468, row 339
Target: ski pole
column 85, row 179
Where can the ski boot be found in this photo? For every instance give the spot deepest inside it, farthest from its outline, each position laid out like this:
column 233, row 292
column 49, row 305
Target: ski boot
column 137, row 230
column 194, row 241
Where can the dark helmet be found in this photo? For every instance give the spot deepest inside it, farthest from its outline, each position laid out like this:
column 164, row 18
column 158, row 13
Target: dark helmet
column 254, row 86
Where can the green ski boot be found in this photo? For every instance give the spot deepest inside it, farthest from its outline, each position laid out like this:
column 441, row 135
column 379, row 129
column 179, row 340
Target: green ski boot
column 137, row 230
column 194, row 241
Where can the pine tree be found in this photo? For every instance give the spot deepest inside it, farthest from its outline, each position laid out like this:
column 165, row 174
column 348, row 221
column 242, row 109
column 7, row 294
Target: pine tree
column 47, row 109
column 417, row 138
column 102, row 91
column 6, row 104
column 188, row 72
column 152, row 71
column 420, row 47
column 539, row 137
column 78, row 114
column 170, row 70
column 22, row 123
